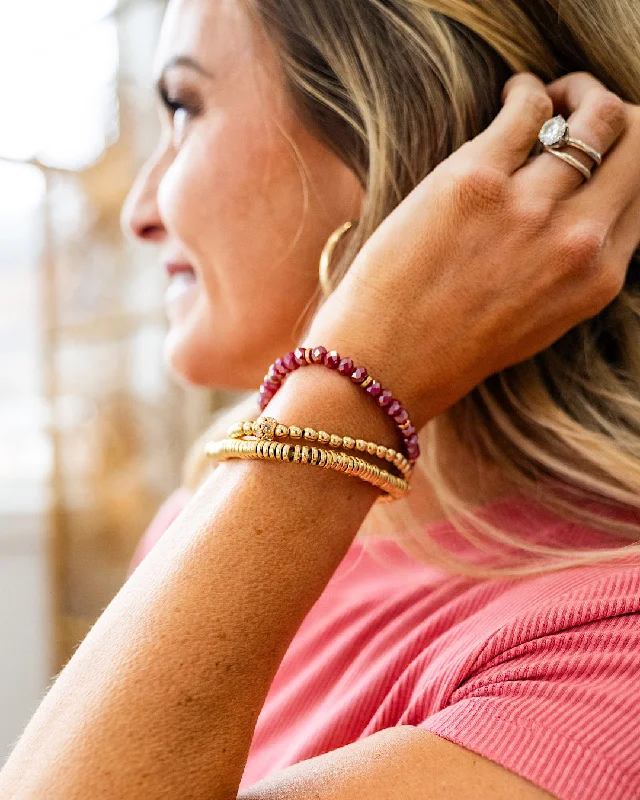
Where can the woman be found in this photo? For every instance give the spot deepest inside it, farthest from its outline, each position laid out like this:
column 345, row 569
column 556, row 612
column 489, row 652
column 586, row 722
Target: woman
column 259, row 650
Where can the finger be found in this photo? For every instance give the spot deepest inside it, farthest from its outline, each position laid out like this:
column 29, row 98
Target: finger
column 509, row 139
column 616, row 184
column 569, row 91
column 597, row 118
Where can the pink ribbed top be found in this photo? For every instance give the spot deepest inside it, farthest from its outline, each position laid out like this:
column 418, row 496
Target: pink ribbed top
column 541, row 675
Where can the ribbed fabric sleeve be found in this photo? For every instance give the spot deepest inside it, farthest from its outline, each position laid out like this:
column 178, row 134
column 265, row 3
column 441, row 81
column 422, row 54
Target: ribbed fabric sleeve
column 559, row 709
column 541, row 675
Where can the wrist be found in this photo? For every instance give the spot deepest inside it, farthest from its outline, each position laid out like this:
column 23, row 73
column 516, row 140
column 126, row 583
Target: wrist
column 427, row 386
column 381, row 363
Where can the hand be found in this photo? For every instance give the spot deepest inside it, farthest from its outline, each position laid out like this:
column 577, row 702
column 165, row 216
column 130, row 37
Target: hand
column 493, row 256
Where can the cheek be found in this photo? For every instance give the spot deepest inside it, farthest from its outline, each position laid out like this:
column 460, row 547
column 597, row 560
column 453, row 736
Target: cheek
column 233, row 186
column 233, row 200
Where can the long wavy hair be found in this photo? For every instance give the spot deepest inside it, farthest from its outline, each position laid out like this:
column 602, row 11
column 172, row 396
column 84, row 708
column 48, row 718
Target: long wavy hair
column 393, row 87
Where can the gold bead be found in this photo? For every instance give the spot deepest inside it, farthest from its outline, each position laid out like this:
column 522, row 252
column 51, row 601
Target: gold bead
column 322, row 458
column 295, row 432
column 348, row 442
column 305, row 454
column 310, row 435
column 324, row 437
column 286, row 449
column 398, row 459
column 361, row 445
column 371, row 448
column 336, row 441
column 282, row 431
column 381, row 451
column 247, row 428
column 265, row 427
column 297, row 453
column 390, row 454
column 366, row 382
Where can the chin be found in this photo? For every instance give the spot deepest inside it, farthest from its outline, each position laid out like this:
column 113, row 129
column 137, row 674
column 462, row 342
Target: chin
column 184, row 360
column 192, row 361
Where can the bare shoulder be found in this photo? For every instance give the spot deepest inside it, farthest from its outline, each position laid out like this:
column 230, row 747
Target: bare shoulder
column 400, row 763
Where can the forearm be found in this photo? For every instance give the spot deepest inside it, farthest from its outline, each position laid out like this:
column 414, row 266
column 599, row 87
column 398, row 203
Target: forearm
column 167, row 687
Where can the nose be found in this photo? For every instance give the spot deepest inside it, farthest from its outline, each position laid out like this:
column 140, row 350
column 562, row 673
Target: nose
column 140, row 218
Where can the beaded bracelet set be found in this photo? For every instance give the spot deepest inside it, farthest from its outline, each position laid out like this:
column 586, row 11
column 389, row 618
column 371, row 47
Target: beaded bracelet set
column 259, row 439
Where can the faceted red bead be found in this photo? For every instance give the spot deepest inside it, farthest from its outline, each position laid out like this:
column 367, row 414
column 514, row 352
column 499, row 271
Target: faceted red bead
column 318, row 354
column 279, row 367
column 412, row 440
column 385, row 398
column 393, row 408
column 374, row 388
column 272, row 386
column 345, row 367
column 408, row 432
column 332, row 359
column 360, row 374
column 290, row 361
column 401, row 416
column 274, row 375
column 301, row 356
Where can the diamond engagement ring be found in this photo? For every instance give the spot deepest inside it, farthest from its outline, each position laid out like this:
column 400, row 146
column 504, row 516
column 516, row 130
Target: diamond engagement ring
column 555, row 134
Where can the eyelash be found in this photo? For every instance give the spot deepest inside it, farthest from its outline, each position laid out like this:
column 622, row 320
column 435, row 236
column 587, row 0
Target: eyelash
column 173, row 104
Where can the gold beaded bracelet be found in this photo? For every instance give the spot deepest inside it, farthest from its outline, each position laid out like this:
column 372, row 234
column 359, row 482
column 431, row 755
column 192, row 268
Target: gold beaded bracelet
column 394, row 488
column 268, row 428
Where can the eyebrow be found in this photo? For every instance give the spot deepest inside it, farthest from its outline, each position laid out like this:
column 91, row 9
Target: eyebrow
column 181, row 61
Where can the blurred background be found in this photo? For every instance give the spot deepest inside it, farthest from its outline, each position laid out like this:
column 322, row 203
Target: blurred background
column 92, row 431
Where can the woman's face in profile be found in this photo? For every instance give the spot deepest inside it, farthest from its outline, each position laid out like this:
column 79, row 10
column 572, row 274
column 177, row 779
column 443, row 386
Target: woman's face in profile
column 223, row 197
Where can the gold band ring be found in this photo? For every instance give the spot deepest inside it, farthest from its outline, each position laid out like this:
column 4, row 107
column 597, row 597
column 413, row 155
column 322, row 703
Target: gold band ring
column 570, row 160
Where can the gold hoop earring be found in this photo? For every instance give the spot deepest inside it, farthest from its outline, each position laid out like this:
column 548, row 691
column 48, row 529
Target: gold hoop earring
column 327, row 252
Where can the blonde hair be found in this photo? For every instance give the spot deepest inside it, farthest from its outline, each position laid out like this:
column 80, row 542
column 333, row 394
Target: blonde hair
column 394, row 87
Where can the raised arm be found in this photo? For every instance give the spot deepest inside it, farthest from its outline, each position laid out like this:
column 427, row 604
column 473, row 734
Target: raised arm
column 485, row 263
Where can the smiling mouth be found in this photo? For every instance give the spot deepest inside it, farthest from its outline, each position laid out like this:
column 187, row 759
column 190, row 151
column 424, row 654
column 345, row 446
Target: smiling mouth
column 182, row 278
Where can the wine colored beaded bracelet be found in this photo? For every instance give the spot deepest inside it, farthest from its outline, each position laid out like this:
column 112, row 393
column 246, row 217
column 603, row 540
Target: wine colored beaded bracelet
column 304, row 356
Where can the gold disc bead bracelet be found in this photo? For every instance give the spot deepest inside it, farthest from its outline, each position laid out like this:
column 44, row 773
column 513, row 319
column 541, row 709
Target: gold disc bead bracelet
column 393, row 487
column 268, row 428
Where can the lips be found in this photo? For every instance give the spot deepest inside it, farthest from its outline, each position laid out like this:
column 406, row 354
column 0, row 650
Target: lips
column 177, row 268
